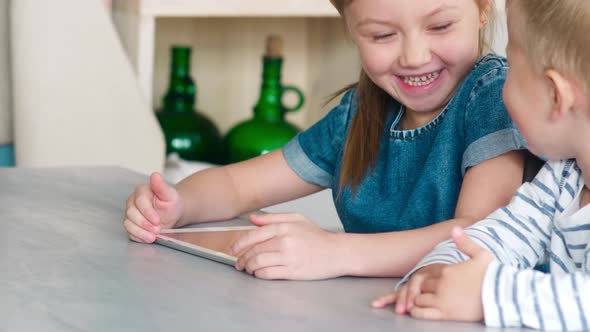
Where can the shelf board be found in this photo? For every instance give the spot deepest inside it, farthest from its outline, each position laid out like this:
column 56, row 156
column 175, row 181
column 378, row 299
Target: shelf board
column 237, row 8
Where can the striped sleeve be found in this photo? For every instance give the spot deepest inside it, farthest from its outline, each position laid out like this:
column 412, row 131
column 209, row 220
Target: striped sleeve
column 517, row 234
column 529, row 298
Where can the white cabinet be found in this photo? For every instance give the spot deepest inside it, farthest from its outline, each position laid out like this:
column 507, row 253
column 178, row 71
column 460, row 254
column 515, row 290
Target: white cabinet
column 227, row 38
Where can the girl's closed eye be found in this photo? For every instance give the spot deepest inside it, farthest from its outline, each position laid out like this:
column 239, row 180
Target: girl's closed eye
column 384, row 36
column 441, row 27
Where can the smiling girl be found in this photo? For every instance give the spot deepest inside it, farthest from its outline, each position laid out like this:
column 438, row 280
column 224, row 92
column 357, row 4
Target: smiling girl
column 421, row 144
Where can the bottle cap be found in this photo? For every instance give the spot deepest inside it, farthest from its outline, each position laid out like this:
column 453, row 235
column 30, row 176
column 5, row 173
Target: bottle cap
column 274, row 46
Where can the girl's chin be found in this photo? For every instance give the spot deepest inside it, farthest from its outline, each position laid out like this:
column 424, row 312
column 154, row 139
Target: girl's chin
column 421, row 106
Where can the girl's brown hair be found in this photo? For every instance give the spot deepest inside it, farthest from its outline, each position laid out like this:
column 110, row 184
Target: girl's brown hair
column 366, row 130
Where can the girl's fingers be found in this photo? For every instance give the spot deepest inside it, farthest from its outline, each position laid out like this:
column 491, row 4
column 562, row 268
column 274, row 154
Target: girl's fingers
column 255, row 250
column 135, row 238
column 273, row 273
column 161, row 189
column 143, row 202
column 132, row 214
column 273, row 218
column 139, row 233
column 252, row 238
column 262, row 261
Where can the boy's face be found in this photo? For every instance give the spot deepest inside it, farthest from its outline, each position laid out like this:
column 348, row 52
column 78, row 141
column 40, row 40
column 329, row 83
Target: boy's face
column 416, row 51
column 527, row 95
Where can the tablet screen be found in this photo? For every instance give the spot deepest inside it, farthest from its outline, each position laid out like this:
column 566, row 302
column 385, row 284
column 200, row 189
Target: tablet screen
column 220, row 241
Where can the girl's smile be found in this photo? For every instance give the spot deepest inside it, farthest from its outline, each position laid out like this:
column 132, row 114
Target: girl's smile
column 420, row 84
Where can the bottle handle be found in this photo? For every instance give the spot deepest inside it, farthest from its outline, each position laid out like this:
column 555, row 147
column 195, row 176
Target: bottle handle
column 288, row 88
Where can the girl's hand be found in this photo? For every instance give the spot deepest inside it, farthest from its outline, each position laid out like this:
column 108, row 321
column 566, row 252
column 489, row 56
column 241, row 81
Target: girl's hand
column 151, row 208
column 404, row 297
column 286, row 246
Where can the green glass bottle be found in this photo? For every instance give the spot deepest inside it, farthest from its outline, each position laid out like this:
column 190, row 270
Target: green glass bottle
column 187, row 132
column 267, row 130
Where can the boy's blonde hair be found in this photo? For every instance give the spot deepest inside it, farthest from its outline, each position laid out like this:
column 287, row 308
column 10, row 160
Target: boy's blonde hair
column 556, row 35
column 364, row 136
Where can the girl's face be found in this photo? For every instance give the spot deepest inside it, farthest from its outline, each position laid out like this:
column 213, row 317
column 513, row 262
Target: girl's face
column 416, row 51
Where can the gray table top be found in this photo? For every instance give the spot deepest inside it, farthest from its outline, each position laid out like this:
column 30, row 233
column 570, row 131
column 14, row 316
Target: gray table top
column 67, row 265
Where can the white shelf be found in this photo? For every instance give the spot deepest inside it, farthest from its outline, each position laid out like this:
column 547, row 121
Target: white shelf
column 237, row 8
column 227, row 37
column 228, row 41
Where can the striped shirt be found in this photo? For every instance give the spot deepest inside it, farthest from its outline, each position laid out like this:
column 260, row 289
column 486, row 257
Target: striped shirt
column 542, row 225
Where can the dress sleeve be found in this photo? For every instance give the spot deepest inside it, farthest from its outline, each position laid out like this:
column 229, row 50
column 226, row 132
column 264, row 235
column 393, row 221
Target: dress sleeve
column 314, row 153
column 489, row 130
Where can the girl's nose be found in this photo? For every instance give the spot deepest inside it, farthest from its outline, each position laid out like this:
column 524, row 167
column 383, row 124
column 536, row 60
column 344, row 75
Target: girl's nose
column 415, row 52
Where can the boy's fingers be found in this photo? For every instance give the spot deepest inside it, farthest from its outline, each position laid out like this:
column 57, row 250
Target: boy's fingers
column 384, row 300
column 465, row 243
column 400, row 307
column 429, row 285
column 425, row 300
column 426, row 313
column 413, row 290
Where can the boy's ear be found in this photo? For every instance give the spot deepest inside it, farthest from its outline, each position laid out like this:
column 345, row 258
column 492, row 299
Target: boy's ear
column 561, row 93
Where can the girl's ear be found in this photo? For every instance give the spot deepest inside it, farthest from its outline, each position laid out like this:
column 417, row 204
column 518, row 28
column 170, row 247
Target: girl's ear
column 484, row 13
column 561, row 93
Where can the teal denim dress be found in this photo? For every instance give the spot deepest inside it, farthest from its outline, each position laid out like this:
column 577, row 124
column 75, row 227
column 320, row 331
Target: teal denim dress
column 419, row 172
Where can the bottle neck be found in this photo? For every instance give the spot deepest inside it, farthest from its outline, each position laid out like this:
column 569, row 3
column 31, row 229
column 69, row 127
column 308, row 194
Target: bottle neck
column 179, row 70
column 181, row 93
column 269, row 107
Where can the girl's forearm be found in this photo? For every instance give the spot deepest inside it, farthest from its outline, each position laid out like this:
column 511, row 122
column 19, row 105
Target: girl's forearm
column 390, row 254
column 208, row 195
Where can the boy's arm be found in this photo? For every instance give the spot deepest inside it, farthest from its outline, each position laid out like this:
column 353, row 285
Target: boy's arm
column 513, row 297
column 517, row 234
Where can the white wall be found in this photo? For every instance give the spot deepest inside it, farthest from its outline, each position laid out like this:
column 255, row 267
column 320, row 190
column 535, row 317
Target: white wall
column 501, row 32
column 5, row 85
column 76, row 99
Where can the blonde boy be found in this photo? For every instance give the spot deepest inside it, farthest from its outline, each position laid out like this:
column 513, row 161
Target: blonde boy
column 487, row 271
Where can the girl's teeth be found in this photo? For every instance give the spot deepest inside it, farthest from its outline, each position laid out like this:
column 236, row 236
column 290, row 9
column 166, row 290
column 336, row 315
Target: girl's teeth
column 421, row 80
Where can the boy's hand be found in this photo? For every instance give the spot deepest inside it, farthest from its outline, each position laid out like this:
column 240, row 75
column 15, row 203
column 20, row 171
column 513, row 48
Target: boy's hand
column 151, row 208
column 286, row 246
column 404, row 297
column 456, row 294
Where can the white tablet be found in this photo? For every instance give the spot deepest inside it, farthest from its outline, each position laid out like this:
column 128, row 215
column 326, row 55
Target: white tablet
column 209, row 242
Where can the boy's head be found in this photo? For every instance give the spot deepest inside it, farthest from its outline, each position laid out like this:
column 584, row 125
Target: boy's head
column 547, row 90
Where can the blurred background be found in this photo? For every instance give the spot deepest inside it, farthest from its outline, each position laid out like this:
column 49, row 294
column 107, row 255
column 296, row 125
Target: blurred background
column 166, row 85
